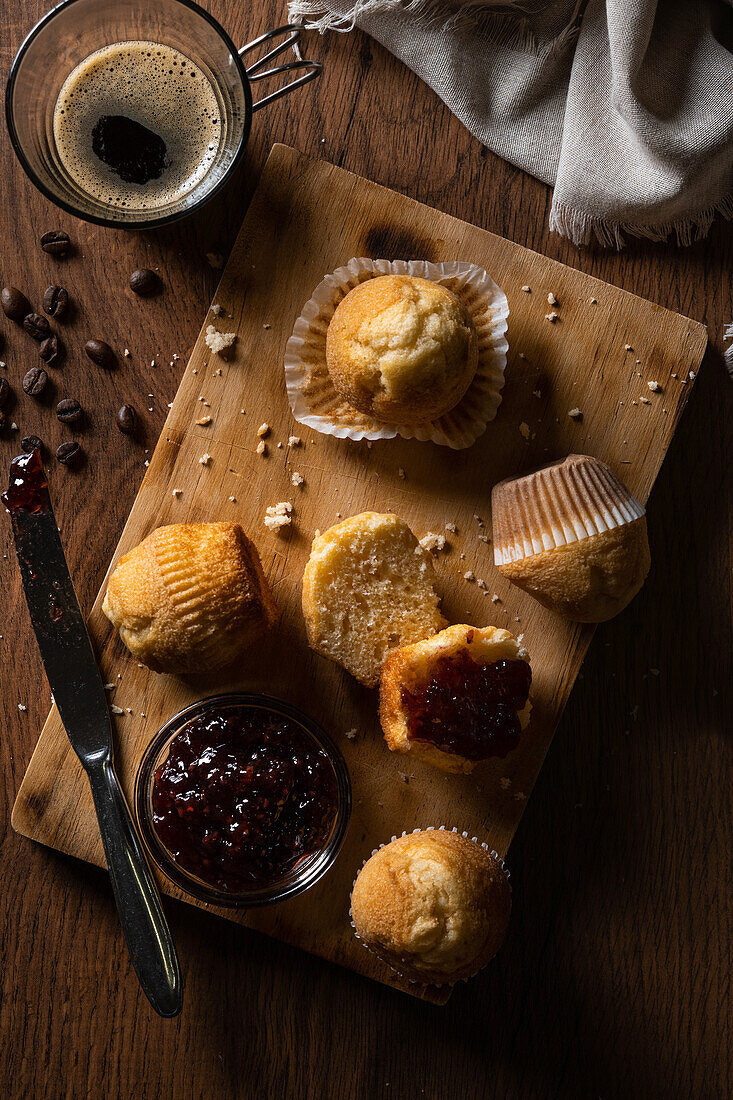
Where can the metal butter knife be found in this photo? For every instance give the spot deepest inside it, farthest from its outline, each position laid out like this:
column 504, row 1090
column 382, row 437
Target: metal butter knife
column 77, row 688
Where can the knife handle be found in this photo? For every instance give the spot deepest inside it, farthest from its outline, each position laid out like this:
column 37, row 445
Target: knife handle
column 145, row 928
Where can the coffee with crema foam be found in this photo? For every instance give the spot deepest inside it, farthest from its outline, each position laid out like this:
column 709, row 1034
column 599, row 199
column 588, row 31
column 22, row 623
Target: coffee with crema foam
column 137, row 125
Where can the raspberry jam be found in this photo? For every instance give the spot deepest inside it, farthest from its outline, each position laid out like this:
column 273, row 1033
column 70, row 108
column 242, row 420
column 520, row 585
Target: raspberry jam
column 243, row 797
column 468, row 708
column 28, row 490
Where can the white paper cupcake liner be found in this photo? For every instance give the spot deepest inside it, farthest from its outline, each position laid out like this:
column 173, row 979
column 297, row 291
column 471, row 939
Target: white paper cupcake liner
column 313, row 398
column 558, row 505
column 408, row 832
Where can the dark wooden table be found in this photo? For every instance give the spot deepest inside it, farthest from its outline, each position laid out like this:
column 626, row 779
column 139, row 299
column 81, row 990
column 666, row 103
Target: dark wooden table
column 615, row 979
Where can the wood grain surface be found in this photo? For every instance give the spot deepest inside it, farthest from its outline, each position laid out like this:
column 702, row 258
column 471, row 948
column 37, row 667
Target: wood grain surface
column 615, row 978
column 600, row 354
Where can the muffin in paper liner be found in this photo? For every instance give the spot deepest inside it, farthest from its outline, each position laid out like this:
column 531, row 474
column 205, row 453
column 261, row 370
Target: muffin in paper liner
column 557, row 505
column 313, row 398
column 395, row 969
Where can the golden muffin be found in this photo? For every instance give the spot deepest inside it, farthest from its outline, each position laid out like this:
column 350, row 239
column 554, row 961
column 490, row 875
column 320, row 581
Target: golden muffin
column 191, row 597
column 573, row 536
column 434, row 905
column 368, row 586
column 401, row 349
column 456, row 698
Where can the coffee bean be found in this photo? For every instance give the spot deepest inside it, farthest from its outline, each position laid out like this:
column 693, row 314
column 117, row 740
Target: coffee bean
column 4, row 392
column 36, row 326
column 144, row 281
column 69, row 411
column 51, row 349
column 55, row 301
column 56, row 242
column 34, row 381
column 127, row 420
column 15, row 304
column 100, row 353
column 70, row 454
column 31, row 443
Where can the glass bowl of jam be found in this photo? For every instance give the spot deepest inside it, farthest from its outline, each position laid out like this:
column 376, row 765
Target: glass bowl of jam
column 243, row 800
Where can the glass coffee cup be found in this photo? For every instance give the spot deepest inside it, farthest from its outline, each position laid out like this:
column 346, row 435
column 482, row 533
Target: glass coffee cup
column 81, row 35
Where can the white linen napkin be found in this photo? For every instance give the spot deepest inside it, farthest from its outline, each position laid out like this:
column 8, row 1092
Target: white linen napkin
column 626, row 106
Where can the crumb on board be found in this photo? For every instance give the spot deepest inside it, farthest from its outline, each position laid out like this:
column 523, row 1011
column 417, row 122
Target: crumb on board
column 645, row 401
column 205, row 459
column 261, row 448
column 469, row 576
column 263, row 430
column 297, row 479
column 496, row 598
column 350, row 735
column 293, row 440
column 527, row 289
column 278, row 516
column 654, row 387
column 524, row 429
column 433, row 542
column 203, row 421
column 594, row 301
column 551, row 317
column 216, row 309
column 452, row 528
column 218, row 342
column 552, row 300
column 575, row 414
column 215, row 260
column 177, row 492
column 401, row 473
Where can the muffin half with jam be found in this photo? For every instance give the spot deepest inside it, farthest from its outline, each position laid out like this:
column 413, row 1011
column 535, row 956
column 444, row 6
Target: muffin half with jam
column 457, row 698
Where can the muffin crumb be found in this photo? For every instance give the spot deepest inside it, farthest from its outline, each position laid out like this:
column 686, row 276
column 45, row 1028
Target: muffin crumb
column 432, row 542
column 218, row 342
column 278, row 516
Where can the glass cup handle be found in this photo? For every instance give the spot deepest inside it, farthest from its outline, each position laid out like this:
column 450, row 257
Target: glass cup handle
column 255, row 72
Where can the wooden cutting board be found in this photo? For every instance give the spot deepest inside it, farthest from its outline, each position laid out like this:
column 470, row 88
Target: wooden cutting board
column 308, row 217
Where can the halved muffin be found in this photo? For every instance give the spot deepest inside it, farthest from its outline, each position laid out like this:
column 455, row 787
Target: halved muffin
column 368, row 586
column 456, row 698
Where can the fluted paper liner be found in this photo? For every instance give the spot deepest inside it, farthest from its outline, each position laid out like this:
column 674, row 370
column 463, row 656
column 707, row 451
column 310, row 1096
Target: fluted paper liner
column 313, row 397
column 405, row 832
column 558, row 505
